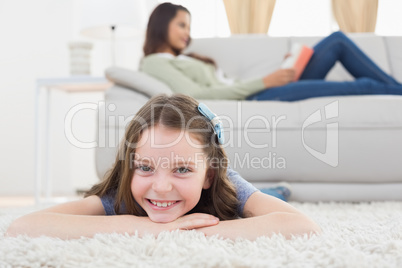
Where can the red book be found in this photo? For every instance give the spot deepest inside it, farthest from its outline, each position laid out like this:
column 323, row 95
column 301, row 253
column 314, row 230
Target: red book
column 298, row 59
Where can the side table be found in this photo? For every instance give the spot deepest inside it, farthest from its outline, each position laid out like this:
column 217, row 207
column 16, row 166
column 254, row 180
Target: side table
column 74, row 84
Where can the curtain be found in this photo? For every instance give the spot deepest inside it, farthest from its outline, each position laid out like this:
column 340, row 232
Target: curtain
column 355, row 15
column 249, row 16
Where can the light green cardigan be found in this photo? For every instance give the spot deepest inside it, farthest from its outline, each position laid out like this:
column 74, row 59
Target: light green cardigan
column 196, row 78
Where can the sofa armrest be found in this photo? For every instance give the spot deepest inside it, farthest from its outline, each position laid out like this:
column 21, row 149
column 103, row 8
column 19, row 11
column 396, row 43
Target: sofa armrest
column 137, row 81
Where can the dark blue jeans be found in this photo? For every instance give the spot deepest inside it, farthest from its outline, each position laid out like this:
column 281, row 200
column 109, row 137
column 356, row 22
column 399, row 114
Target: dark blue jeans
column 370, row 79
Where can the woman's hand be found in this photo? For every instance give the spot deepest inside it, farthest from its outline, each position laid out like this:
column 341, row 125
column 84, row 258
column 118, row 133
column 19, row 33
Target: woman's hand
column 279, row 78
column 287, row 55
column 193, row 221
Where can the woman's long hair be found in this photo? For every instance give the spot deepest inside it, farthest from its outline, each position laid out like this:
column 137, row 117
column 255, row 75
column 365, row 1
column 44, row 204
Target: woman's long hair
column 178, row 112
column 157, row 31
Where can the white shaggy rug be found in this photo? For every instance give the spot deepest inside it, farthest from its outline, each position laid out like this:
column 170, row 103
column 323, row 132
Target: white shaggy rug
column 355, row 235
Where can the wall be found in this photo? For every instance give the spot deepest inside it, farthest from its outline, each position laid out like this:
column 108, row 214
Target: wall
column 34, row 37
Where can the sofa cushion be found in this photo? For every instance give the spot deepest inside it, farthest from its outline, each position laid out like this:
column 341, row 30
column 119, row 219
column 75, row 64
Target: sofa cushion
column 244, row 58
column 137, row 81
column 369, row 111
column 394, row 46
column 361, row 129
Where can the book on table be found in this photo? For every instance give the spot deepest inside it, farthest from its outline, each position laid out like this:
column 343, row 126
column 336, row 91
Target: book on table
column 299, row 57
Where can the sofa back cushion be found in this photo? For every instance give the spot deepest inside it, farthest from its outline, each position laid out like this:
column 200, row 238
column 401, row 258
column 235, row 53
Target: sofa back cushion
column 251, row 56
column 394, row 49
column 243, row 56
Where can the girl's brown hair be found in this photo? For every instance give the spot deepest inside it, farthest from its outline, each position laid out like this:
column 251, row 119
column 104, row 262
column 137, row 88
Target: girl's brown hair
column 177, row 112
column 157, row 31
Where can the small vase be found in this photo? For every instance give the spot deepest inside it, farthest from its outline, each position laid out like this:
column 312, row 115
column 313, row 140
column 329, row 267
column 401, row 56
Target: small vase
column 80, row 58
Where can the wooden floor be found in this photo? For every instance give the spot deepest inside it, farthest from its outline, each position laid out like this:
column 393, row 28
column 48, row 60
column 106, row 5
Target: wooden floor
column 27, row 201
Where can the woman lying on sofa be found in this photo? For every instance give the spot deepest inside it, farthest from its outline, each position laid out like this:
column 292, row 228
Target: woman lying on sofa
column 168, row 34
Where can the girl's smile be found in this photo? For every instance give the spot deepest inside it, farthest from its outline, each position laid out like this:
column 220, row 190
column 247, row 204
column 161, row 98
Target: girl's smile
column 162, row 205
column 170, row 173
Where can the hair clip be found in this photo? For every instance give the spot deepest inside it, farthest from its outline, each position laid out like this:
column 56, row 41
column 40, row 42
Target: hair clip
column 215, row 120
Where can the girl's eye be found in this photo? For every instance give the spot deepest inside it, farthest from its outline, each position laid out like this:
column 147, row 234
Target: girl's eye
column 182, row 170
column 144, row 168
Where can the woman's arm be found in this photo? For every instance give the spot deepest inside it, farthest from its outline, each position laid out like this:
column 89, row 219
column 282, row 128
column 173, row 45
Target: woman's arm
column 264, row 216
column 279, row 78
column 86, row 217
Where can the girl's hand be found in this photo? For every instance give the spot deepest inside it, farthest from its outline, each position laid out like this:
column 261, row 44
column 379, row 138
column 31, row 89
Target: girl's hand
column 279, row 78
column 193, row 221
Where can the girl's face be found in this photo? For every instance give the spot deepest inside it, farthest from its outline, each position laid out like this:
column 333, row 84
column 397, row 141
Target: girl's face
column 179, row 31
column 170, row 173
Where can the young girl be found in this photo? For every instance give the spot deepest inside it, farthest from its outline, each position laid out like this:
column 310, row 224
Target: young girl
column 171, row 173
column 168, row 34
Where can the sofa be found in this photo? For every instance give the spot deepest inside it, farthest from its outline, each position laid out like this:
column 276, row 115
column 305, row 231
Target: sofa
column 341, row 148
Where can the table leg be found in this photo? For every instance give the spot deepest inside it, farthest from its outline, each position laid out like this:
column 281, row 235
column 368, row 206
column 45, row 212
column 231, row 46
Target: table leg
column 47, row 175
column 37, row 169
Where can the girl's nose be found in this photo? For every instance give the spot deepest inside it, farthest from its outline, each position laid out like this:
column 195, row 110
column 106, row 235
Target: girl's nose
column 161, row 185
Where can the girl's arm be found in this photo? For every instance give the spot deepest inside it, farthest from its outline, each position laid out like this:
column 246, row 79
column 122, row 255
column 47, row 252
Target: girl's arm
column 265, row 215
column 86, row 217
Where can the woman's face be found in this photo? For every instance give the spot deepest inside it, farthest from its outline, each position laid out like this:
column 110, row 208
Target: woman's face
column 170, row 173
column 179, row 31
